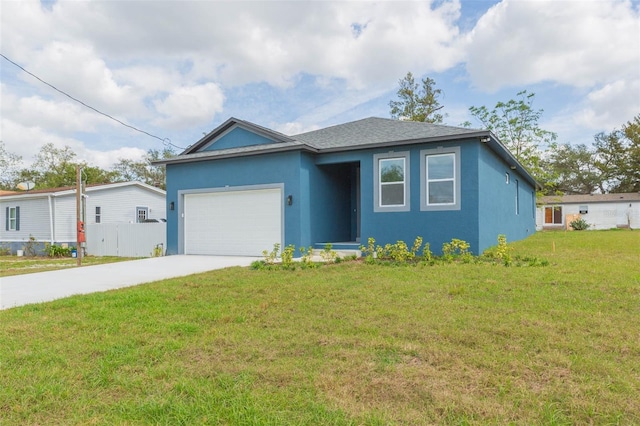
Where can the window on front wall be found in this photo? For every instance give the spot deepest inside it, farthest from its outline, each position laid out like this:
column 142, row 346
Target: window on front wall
column 392, row 182
column 440, row 171
column 553, row 215
column 12, row 219
column 141, row 214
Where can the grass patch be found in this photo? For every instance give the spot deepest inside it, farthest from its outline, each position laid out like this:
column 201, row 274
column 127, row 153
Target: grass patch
column 13, row 265
column 350, row 343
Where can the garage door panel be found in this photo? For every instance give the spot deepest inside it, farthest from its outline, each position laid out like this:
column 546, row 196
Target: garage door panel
column 233, row 222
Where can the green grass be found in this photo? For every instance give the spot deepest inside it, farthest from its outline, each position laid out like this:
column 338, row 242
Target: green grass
column 344, row 344
column 13, row 265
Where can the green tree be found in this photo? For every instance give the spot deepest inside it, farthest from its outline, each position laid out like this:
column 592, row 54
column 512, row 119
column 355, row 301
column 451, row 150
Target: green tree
column 417, row 102
column 574, row 170
column 618, row 157
column 9, row 165
column 515, row 123
column 144, row 170
column 56, row 167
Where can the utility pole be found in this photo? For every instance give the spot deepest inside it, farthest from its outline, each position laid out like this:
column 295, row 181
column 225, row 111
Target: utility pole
column 78, row 217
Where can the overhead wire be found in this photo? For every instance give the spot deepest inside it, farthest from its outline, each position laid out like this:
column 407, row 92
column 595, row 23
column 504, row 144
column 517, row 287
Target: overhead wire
column 165, row 141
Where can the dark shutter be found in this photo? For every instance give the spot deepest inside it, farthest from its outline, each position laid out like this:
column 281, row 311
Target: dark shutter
column 18, row 218
column 6, row 227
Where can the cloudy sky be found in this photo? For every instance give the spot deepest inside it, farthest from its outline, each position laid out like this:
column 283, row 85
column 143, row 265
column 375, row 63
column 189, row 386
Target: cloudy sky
column 177, row 69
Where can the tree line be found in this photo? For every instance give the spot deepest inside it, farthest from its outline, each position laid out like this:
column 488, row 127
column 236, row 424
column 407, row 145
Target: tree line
column 56, row 168
column 610, row 165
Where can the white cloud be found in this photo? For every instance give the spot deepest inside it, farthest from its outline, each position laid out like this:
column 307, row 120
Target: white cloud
column 581, row 44
column 190, row 106
column 610, row 106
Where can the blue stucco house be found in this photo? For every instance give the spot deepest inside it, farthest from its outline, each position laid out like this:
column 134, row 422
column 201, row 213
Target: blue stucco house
column 243, row 187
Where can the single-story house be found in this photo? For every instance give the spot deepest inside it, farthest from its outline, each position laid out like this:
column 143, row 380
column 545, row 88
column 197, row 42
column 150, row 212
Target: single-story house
column 49, row 215
column 600, row 211
column 243, row 188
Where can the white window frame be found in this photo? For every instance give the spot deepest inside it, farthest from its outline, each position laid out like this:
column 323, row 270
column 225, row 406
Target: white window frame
column 377, row 187
column 13, row 218
column 424, row 181
column 553, row 208
column 140, row 209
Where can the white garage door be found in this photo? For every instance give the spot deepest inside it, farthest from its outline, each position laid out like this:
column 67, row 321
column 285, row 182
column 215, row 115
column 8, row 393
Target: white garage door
column 240, row 223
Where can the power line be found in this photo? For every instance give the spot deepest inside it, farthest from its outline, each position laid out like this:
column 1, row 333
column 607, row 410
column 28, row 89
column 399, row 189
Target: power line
column 165, row 141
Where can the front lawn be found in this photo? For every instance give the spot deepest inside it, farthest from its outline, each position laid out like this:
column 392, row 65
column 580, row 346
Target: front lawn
column 14, row 265
column 344, row 344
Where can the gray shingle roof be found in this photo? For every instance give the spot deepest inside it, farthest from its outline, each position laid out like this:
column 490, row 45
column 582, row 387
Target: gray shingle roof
column 591, row 198
column 378, row 131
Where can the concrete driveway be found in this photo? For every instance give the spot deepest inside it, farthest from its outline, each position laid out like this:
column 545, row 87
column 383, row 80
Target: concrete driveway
column 39, row 287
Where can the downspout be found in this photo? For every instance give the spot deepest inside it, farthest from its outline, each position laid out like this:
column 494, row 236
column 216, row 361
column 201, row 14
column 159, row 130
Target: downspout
column 51, row 219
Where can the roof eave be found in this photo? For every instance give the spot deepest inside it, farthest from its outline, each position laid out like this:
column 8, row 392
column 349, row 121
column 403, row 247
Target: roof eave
column 191, row 158
column 206, row 139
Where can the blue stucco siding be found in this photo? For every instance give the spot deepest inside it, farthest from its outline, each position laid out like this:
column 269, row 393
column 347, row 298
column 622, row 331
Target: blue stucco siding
column 497, row 203
column 331, row 204
column 435, row 227
column 235, row 138
column 279, row 168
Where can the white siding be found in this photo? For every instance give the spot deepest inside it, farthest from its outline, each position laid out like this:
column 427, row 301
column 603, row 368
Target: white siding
column 34, row 220
column 118, row 203
column 600, row 215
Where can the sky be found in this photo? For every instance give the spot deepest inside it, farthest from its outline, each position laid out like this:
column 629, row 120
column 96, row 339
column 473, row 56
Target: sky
column 178, row 69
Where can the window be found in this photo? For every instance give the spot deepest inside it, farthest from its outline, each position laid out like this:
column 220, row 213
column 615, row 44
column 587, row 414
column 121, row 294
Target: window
column 440, row 171
column 98, row 215
column 517, row 197
column 583, row 209
column 13, row 219
column 553, row 215
column 141, row 214
column 391, row 191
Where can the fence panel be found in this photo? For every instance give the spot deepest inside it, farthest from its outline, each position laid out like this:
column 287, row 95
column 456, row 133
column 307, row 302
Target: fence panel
column 125, row 239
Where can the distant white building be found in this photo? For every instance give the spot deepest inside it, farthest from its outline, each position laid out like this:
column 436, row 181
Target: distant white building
column 49, row 215
column 601, row 211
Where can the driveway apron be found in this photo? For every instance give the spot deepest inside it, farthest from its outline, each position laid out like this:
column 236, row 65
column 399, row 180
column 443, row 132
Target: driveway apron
column 40, row 287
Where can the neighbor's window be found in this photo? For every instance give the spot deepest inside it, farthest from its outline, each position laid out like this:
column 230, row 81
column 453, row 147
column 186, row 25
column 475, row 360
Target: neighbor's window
column 440, row 170
column 141, row 213
column 13, row 219
column 553, row 215
column 392, row 186
column 98, row 215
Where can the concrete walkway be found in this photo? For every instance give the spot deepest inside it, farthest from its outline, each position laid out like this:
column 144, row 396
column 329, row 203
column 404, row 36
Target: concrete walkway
column 39, row 287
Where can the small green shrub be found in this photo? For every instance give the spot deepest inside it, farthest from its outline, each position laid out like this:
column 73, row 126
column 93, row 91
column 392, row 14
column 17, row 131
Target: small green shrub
column 328, row 254
column 287, row 256
column 53, row 250
column 29, row 247
column 456, row 249
column 306, row 261
column 369, row 251
column 501, row 252
column 270, row 257
column 579, row 224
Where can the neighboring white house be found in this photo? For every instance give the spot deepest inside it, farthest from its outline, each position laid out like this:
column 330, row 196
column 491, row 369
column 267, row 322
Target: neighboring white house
column 601, row 211
column 49, row 216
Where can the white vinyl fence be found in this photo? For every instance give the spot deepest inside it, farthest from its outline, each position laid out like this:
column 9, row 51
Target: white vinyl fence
column 126, row 239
